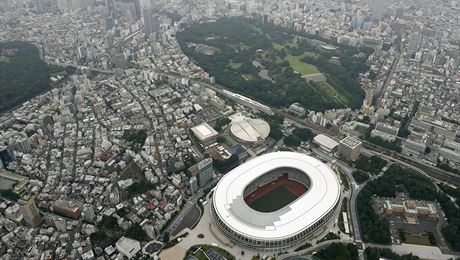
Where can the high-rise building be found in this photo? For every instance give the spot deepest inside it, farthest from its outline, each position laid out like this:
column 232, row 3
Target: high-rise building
column 350, row 148
column 45, row 6
column 88, row 213
column 59, row 223
column 147, row 18
column 62, row 5
column 30, row 212
column 203, row 171
column 378, row 9
column 193, row 185
column 5, row 156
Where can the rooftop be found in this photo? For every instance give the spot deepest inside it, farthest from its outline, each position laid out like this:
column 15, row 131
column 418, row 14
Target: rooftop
column 325, row 141
column 248, row 129
column 350, row 141
column 204, row 131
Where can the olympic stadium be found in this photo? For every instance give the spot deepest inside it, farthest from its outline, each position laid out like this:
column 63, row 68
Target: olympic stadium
column 275, row 201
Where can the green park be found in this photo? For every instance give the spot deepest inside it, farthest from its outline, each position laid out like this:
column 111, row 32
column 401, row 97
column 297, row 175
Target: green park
column 275, row 65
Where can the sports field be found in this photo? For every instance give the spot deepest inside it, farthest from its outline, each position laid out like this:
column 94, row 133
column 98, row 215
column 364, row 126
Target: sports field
column 274, row 200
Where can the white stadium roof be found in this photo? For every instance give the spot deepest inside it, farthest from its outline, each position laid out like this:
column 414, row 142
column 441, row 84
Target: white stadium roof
column 248, row 129
column 304, row 212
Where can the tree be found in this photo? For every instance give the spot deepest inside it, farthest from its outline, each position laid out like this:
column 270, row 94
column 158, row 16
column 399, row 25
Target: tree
column 221, row 139
column 427, row 150
column 23, row 74
column 275, row 130
column 136, row 232
column 339, row 251
column 227, row 164
column 292, row 141
column 165, row 237
column 221, row 122
column 135, row 137
column 108, row 222
column 303, row 134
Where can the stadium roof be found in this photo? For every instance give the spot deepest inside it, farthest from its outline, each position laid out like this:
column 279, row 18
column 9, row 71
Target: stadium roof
column 305, row 211
column 248, row 129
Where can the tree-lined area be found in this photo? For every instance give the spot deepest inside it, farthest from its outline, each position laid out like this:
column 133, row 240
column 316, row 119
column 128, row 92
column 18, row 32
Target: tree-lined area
column 338, row 251
column 400, row 179
column 23, row 74
column 267, row 62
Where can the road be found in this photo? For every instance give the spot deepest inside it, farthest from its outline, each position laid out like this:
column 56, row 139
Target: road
column 355, row 189
column 384, row 87
column 185, row 209
column 317, row 247
column 155, row 140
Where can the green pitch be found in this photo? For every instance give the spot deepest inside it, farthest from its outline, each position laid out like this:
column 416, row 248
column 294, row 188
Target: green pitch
column 274, row 200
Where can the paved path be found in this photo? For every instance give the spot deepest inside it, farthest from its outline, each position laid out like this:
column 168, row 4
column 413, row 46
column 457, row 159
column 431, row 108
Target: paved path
column 424, row 252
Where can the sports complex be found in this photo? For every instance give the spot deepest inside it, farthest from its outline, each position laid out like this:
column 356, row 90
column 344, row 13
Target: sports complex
column 275, row 201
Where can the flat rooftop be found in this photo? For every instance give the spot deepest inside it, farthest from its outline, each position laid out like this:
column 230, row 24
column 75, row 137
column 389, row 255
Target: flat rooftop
column 350, row 141
column 204, row 131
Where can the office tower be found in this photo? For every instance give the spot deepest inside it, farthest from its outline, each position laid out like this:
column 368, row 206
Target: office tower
column 88, row 213
column 147, row 18
column 193, row 185
column 377, row 8
column 30, row 212
column 203, row 171
column 349, row 148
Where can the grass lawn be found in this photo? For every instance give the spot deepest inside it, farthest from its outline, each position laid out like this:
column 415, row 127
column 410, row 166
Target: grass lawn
column 301, row 67
column 278, row 46
column 248, row 76
column 274, row 200
column 343, row 99
column 234, row 65
column 327, row 91
column 4, row 59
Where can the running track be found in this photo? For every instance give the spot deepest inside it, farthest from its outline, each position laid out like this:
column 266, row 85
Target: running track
column 294, row 187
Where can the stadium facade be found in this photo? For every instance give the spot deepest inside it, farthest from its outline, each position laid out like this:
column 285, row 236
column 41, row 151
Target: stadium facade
column 288, row 226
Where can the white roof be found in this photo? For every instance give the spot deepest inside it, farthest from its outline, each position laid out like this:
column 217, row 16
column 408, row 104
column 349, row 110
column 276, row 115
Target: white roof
column 204, row 131
column 248, row 129
column 321, row 197
column 325, row 141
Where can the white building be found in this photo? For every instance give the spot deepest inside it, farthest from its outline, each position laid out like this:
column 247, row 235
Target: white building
column 128, row 247
column 204, row 132
column 325, row 143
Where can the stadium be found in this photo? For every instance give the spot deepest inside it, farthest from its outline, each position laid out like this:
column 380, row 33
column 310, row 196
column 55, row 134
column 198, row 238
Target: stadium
column 275, row 201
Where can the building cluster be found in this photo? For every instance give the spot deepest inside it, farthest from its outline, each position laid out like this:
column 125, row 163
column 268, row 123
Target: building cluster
column 411, row 210
column 411, row 99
